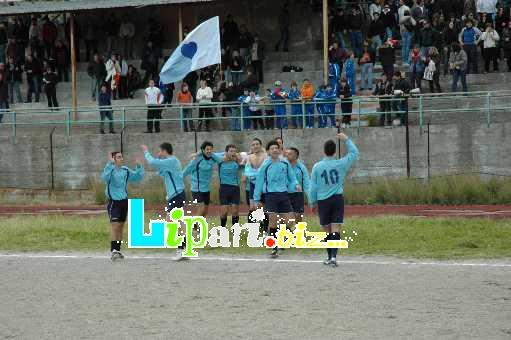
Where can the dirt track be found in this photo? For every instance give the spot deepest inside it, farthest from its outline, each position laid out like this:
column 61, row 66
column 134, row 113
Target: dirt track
column 147, row 298
column 492, row 211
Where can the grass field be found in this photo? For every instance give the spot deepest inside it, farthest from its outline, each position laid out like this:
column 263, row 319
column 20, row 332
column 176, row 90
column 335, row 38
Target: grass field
column 436, row 238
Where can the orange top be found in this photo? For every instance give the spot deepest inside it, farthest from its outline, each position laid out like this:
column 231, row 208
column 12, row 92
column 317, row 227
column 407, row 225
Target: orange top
column 184, row 97
column 307, row 91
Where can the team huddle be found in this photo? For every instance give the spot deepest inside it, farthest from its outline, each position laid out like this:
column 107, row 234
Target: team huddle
column 275, row 180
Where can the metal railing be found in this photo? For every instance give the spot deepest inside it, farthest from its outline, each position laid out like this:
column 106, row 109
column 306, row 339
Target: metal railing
column 240, row 115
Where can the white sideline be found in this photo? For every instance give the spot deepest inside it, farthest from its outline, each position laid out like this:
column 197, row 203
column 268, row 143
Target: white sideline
column 233, row 259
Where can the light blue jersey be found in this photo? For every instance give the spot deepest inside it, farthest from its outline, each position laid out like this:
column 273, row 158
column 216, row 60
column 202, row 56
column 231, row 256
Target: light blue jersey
column 170, row 169
column 117, row 180
column 200, row 170
column 302, row 176
column 228, row 171
column 328, row 175
column 274, row 176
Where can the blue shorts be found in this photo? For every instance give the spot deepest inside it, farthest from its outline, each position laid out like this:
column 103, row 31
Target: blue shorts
column 201, row 197
column 277, row 203
column 331, row 210
column 297, row 202
column 229, row 194
column 176, row 202
column 117, row 210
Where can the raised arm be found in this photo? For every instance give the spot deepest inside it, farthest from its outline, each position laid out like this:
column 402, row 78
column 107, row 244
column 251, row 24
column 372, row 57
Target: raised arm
column 313, row 191
column 137, row 174
column 352, row 154
column 107, row 171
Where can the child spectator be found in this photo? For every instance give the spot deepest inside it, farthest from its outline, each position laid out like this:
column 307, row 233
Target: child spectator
column 279, row 95
column 296, row 106
column 366, row 63
column 345, row 94
column 269, row 121
column 50, row 80
column 416, row 67
column 384, row 90
column 105, row 108
column 184, row 98
column 307, row 92
column 255, row 111
column 351, row 72
column 490, row 38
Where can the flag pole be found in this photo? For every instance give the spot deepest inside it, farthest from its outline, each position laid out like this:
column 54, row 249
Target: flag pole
column 325, row 41
column 180, row 22
column 73, row 65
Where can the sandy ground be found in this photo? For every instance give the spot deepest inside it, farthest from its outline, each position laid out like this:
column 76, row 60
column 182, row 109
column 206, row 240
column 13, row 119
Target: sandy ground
column 83, row 296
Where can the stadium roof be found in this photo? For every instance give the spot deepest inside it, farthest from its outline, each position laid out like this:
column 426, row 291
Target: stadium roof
column 26, row 7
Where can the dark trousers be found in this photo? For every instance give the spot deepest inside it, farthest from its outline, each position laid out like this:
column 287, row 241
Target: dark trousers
column 63, row 73
column 388, row 70
column 153, row 117
column 456, row 76
column 256, row 119
column 415, row 80
column 188, row 120
column 269, row 121
column 258, row 70
column 491, row 55
column 106, row 114
column 33, row 88
column 51, row 95
column 205, row 112
column 471, row 51
column 435, row 83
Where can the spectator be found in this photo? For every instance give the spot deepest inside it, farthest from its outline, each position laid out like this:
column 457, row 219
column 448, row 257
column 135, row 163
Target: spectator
column 376, row 31
column 4, row 96
column 269, row 120
column 62, row 61
column 416, row 68
column 153, row 99
column 113, row 74
column 231, row 32
column 469, row 38
column 49, row 34
column 14, row 79
column 155, row 33
column 251, row 82
column 506, row 45
column 185, row 98
column 374, row 9
column 337, row 55
column 105, row 108
column 167, row 91
column 255, row 111
column 279, row 95
column 204, row 96
column 245, row 41
column 3, row 41
column 419, row 11
column 389, row 22
column 50, row 80
column 237, row 114
column 501, row 20
column 346, row 102
column 296, row 106
column 490, row 38
column 486, row 6
column 126, row 34
column 307, row 93
column 387, row 59
column 340, row 26
column 236, row 67
column 191, row 79
column 150, row 61
column 257, row 53
column 34, row 34
column 111, row 28
column 450, row 36
column 134, row 81
column 433, row 61
column 407, row 26
column 91, row 42
column 334, row 74
column 356, row 37
column 123, row 77
column 322, row 97
column 384, row 90
column 366, row 63
column 427, row 38
column 284, row 22
column 351, row 72
column 33, row 70
column 458, row 63
column 97, row 72
column 401, row 91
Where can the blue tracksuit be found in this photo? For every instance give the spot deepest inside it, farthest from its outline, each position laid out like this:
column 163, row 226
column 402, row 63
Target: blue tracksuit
column 200, row 169
column 280, row 109
column 274, row 176
column 296, row 108
column 350, row 70
column 170, row 169
column 302, row 176
column 334, row 74
column 328, row 175
column 117, row 179
column 246, row 113
column 325, row 110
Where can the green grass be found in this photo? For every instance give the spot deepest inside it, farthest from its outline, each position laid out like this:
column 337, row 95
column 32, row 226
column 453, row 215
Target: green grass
column 392, row 235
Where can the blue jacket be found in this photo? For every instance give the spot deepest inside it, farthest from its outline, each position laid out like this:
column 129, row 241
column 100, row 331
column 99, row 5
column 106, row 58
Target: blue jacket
column 328, row 175
column 200, row 169
column 302, row 176
column 274, row 176
column 228, row 172
column 104, row 99
column 349, row 68
column 170, row 169
column 117, row 180
column 294, row 94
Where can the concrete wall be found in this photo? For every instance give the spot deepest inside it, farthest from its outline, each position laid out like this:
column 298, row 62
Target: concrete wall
column 454, row 148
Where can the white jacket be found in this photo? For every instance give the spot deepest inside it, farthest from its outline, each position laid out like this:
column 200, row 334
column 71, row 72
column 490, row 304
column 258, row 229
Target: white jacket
column 112, row 69
column 490, row 39
column 204, row 92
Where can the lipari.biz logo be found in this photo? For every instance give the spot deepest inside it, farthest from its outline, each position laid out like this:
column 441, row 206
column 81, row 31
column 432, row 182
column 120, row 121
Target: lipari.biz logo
column 196, row 231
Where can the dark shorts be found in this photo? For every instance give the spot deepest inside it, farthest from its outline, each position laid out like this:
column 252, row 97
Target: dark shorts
column 277, row 203
column 229, row 194
column 201, row 197
column 297, row 202
column 331, row 210
column 176, row 202
column 117, row 210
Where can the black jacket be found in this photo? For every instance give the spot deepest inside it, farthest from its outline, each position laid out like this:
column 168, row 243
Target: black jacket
column 377, row 28
column 4, row 93
column 387, row 56
column 13, row 72
column 97, row 70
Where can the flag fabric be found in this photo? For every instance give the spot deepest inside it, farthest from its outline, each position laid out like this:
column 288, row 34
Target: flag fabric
column 200, row 48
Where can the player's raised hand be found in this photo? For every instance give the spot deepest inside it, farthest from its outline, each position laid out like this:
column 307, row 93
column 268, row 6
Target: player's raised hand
column 144, row 148
column 341, row 136
column 110, row 158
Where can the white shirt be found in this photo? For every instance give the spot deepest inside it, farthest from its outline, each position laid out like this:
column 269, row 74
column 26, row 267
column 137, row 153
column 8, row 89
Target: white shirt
column 490, row 39
column 204, row 92
column 255, row 100
column 153, row 96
